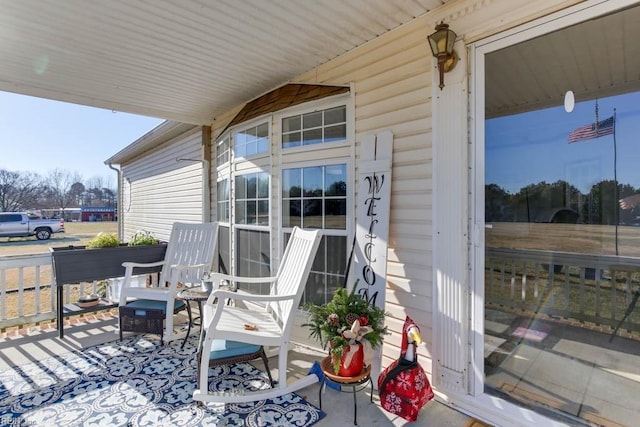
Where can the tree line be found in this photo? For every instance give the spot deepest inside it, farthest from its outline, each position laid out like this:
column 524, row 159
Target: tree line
column 538, row 202
column 58, row 189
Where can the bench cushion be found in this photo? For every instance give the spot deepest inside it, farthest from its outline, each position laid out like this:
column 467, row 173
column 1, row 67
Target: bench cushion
column 224, row 349
column 148, row 304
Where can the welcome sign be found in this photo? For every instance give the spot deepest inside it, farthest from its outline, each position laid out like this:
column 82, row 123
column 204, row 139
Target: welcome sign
column 372, row 216
column 372, row 223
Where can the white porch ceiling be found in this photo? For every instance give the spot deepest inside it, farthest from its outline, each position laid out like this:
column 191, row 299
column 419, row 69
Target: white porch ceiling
column 191, row 60
column 594, row 59
column 180, row 60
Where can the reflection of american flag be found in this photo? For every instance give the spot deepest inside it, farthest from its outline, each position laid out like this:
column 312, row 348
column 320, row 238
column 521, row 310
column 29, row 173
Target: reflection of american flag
column 605, row 127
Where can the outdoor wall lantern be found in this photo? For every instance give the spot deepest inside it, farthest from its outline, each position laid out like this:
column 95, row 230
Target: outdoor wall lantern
column 441, row 43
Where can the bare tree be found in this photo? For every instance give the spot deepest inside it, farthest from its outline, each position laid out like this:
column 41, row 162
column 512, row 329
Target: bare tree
column 96, row 196
column 109, row 196
column 77, row 192
column 19, row 190
column 60, row 183
column 62, row 189
column 95, row 182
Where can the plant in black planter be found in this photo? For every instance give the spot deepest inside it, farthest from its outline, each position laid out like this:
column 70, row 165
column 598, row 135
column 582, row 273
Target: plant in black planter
column 103, row 240
column 103, row 256
column 110, row 240
column 143, row 238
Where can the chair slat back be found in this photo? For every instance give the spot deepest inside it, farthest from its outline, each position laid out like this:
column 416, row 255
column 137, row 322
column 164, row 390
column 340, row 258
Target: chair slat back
column 190, row 244
column 293, row 273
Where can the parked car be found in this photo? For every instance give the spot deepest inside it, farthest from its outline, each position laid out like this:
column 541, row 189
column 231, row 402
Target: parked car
column 21, row 224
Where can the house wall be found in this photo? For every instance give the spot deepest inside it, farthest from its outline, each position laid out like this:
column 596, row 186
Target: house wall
column 395, row 86
column 392, row 81
column 157, row 190
column 395, row 81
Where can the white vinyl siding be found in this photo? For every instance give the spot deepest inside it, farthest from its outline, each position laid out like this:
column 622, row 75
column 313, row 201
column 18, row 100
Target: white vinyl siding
column 161, row 190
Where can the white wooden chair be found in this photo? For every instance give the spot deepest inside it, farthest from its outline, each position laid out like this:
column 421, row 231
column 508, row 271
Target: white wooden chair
column 231, row 331
column 190, row 253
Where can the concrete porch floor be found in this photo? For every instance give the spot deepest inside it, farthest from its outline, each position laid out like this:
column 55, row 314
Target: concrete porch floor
column 40, row 343
column 564, row 369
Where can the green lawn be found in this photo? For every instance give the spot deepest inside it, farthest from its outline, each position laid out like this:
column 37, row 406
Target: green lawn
column 76, row 234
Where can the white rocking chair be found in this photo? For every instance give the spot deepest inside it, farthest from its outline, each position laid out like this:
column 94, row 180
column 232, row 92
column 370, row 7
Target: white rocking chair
column 231, row 331
column 190, row 253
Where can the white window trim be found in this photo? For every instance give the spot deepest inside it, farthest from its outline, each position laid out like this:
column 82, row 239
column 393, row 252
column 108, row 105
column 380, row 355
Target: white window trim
column 310, row 107
column 478, row 402
column 244, row 126
column 232, row 217
column 232, row 189
column 215, row 151
column 349, row 230
column 221, row 178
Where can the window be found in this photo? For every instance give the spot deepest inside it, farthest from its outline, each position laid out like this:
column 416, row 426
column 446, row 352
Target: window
column 223, row 200
column 313, row 195
column 315, row 128
column 224, row 252
column 328, row 269
column 11, row 218
column 251, row 208
column 561, row 259
column 316, row 197
column 252, row 199
column 222, row 150
column 254, row 258
column 251, row 141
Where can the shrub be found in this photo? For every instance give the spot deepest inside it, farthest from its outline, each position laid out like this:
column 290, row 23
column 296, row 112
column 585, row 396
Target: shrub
column 104, row 240
column 141, row 238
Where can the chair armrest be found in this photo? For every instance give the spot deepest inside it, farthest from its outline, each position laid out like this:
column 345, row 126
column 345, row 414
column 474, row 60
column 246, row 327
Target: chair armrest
column 184, row 267
column 224, row 294
column 128, row 264
column 219, row 307
column 217, row 277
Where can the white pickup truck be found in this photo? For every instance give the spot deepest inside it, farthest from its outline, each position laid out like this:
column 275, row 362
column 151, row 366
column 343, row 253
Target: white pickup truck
column 21, row 224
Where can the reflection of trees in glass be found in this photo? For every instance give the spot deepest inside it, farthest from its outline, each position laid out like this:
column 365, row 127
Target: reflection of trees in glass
column 543, row 202
column 598, row 207
column 337, row 189
column 497, row 203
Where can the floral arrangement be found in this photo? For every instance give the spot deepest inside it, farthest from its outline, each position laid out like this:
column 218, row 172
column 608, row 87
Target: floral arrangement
column 345, row 321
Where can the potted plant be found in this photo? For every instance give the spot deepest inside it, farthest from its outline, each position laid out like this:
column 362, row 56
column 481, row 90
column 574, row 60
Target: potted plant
column 103, row 256
column 350, row 327
column 143, row 238
column 103, row 240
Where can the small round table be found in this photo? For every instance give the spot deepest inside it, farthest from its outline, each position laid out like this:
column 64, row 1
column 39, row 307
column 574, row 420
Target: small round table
column 188, row 295
column 356, row 383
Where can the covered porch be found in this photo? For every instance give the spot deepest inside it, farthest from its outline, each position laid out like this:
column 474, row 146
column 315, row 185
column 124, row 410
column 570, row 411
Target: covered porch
column 500, row 337
column 38, row 349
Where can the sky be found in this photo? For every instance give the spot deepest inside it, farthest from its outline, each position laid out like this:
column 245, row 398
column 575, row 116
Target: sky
column 532, row 147
column 39, row 135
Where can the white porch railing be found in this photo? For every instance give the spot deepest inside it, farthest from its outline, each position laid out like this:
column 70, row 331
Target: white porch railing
column 598, row 289
column 26, row 284
column 588, row 288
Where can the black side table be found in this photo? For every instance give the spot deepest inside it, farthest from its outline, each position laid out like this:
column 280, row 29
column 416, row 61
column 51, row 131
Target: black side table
column 197, row 295
column 356, row 383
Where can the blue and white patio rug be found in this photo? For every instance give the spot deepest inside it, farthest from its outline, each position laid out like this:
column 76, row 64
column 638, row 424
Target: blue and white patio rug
column 137, row 383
